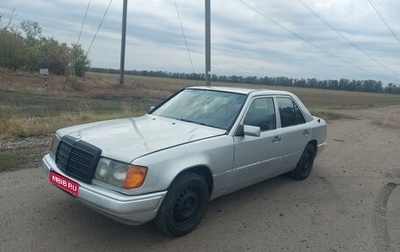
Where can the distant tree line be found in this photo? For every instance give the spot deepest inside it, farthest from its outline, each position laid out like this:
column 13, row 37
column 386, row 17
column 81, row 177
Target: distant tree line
column 342, row 84
column 24, row 48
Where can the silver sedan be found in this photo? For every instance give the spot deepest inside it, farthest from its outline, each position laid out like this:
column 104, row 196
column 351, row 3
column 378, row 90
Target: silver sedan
column 199, row 144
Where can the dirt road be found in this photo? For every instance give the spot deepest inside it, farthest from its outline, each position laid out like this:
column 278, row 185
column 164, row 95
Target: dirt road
column 351, row 202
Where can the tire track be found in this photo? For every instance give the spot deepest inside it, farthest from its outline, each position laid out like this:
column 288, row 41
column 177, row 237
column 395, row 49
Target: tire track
column 380, row 222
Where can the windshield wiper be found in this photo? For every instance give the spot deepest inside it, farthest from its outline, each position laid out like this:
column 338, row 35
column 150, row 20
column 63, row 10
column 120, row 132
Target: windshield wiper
column 190, row 121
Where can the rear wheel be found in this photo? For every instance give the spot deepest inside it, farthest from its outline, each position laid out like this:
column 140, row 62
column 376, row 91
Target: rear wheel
column 305, row 164
column 184, row 205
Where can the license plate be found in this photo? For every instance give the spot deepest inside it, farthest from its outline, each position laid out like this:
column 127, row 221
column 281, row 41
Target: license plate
column 64, row 183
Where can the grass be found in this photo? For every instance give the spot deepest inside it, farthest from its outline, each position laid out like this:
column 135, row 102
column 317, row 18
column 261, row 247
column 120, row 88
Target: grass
column 27, row 114
column 8, row 160
column 36, row 111
column 30, row 106
column 23, row 158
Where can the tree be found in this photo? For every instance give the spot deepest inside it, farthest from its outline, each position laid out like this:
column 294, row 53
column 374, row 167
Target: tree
column 12, row 50
column 33, row 33
column 79, row 61
column 32, row 29
column 7, row 26
column 28, row 50
column 55, row 56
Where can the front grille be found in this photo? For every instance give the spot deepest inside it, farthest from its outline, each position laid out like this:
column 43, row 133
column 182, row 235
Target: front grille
column 77, row 158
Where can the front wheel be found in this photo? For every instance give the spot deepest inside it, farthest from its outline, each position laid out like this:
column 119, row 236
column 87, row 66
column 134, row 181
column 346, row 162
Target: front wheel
column 305, row 164
column 184, row 205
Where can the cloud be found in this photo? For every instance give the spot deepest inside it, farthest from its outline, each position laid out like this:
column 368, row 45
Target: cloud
column 272, row 38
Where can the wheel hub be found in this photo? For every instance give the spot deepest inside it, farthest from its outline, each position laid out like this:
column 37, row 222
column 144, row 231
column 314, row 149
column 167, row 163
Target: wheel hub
column 186, row 205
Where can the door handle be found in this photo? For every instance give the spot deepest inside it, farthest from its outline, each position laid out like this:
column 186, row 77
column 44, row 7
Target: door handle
column 276, row 139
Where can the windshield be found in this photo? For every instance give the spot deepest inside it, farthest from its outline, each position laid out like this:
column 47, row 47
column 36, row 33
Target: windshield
column 207, row 107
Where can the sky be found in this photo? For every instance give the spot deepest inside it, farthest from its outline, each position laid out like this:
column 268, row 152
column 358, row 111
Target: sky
column 323, row 39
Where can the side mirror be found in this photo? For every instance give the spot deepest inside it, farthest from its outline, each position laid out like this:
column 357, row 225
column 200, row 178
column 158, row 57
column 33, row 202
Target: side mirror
column 151, row 109
column 252, row 130
column 248, row 130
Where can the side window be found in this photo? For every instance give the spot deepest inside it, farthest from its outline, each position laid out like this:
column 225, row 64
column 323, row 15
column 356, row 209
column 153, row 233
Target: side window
column 261, row 113
column 289, row 112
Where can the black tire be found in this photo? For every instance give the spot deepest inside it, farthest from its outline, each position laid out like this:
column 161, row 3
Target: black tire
column 305, row 164
column 184, row 205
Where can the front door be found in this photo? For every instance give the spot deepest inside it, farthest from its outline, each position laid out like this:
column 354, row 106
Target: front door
column 258, row 157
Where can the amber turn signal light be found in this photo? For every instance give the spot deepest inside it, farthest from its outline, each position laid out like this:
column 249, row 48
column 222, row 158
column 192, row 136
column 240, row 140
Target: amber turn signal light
column 135, row 176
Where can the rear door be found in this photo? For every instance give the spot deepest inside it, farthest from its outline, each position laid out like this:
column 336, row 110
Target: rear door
column 295, row 131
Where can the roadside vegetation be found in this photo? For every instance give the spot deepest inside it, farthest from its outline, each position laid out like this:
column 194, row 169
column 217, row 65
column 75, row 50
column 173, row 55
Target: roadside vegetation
column 24, row 48
column 373, row 86
column 32, row 107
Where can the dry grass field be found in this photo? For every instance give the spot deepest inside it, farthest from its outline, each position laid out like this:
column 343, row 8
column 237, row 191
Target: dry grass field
column 32, row 107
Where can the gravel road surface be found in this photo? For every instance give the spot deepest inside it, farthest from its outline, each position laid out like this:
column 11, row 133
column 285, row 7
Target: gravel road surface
column 350, row 202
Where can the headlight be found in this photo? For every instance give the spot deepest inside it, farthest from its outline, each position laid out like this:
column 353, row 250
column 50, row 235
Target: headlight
column 120, row 174
column 54, row 145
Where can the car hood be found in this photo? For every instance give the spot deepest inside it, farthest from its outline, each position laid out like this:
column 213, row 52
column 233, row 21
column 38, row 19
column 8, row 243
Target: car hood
column 129, row 138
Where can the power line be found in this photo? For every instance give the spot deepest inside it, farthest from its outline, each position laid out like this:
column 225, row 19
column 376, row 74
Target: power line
column 310, row 9
column 184, row 36
column 302, row 38
column 384, row 20
column 98, row 28
column 83, row 22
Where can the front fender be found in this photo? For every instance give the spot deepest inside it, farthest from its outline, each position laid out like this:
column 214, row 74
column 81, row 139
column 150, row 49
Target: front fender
column 164, row 166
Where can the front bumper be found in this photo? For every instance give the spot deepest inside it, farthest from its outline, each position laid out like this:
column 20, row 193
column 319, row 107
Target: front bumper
column 130, row 210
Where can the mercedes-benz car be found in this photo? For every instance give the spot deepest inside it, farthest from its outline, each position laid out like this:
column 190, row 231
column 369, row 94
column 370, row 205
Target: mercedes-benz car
column 199, row 144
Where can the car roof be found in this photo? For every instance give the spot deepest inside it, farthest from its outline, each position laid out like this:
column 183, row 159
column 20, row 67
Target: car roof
column 245, row 91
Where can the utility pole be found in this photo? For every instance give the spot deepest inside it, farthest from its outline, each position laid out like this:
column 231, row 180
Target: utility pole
column 208, row 42
column 123, row 41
